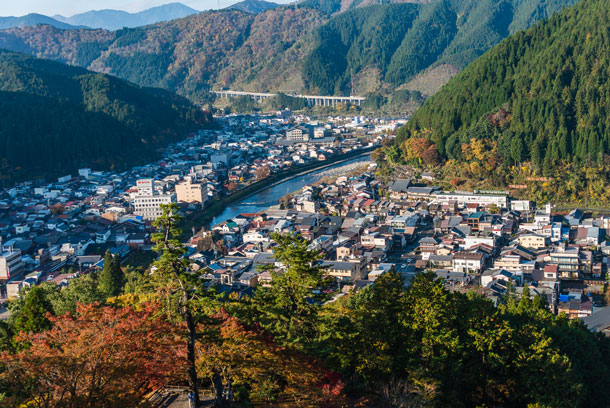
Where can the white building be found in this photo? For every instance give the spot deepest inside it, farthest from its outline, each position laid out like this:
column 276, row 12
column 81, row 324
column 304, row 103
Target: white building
column 149, row 207
column 501, row 200
column 297, row 134
column 10, row 264
column 146, row 187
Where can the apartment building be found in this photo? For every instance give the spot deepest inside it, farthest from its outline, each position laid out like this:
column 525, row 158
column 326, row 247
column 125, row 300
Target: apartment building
column 10, row 264
column 149, row 207
column 188, row 192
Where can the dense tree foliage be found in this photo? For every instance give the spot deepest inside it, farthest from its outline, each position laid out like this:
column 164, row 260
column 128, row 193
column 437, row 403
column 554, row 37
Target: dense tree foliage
column 539, row 96
column 427, row 345
column 98, row 357
column 57, row 118
column 112, row 277
column 401, row 40
column 387, row 345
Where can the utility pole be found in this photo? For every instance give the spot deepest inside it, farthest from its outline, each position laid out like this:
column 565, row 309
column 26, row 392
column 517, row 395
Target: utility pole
column 351, row 70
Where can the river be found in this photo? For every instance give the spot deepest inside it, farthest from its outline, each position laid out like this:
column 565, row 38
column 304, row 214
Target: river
column 272, row 194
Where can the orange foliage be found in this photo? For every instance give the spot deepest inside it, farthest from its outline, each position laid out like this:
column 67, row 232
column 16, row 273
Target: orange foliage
column 248, row 357
column 99, row 357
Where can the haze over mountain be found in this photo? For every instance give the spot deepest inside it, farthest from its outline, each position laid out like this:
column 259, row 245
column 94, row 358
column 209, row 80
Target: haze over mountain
column 542, row 95
column 34, row 19
column 116, row 19
column 404, row 47
column 56, row 118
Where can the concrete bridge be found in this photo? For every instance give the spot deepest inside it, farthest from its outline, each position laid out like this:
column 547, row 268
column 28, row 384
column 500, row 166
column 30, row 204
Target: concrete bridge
column 312, row 100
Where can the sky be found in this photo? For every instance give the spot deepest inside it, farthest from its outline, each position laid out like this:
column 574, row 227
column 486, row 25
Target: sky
column 68, row 8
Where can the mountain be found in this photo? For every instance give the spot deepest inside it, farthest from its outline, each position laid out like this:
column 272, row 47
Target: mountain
column 338, row 6
column 57, row 118
column 387, row 46
column 117, row 19
column 393, row 52
column 34, row 19
column 220, row 49
column 541, row 95
column 253, row 6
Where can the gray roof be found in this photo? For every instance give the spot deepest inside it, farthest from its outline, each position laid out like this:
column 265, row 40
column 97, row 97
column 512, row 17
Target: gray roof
column 400, row 186
column 599, row 320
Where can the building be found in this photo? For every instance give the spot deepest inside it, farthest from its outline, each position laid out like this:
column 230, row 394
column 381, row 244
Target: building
column 568, row 262
column 188, row 192
column 149, row 207
column 297, row 134
column 345, row 271
column 462, row 198
column 467, row 262
column 533, row 240
column 146, row 187
column 10, row 264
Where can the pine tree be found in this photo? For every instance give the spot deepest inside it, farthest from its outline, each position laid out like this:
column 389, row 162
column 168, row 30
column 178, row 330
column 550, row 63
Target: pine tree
column 32, row 317
column 112, row 277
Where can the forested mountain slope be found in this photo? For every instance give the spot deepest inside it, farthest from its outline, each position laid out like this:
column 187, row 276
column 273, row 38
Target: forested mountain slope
column 393, row 43
column 543, row 95
column 56, row 118
column 228, row 48
column 254, row 6
column 383, row 48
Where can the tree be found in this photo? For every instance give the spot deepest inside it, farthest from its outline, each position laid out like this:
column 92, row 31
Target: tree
column 33, row 316
column 112, row 278
column 84, row 289
column 99, row 357
column 362, row 336
column 172, row 272
column 245, row 358
column 263, row 172
column 287, row 307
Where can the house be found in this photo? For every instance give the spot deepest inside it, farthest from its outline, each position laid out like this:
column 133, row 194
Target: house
column 427, row 247
column 398, row 189
column 533, row 240
column 467, row 262
column 345, row 271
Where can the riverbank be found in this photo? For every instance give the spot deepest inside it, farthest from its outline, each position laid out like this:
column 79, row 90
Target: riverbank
column 204, row 217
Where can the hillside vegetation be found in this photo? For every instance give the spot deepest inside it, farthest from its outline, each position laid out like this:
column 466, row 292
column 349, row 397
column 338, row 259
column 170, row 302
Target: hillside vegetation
column 288, row 49
column 56, row 118
column 550, row 84
column 535, row 103
column 402, row 40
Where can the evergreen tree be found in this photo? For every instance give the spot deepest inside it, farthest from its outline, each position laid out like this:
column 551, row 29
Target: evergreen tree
column 287, row 307
column 112, row 278
column 32, row 317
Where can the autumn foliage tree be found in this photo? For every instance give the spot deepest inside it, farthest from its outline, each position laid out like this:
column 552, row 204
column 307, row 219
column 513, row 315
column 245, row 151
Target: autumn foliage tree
column 263, row 172
column 97, row 357
column 259, row 370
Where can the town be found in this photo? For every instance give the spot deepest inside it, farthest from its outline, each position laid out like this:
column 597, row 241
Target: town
column 482, row 241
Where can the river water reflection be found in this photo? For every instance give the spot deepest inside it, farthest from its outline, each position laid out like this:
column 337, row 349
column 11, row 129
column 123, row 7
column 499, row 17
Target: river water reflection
column 271, row 195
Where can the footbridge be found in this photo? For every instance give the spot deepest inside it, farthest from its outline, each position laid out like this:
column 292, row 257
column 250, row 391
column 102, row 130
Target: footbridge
column 312, row 100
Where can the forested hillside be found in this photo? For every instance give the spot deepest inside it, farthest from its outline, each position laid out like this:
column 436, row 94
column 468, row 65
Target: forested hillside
column 56, row 118
column 383, row 48
column 228, row 48
column 393, row 43
column 536, row 103
column 549, row 85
